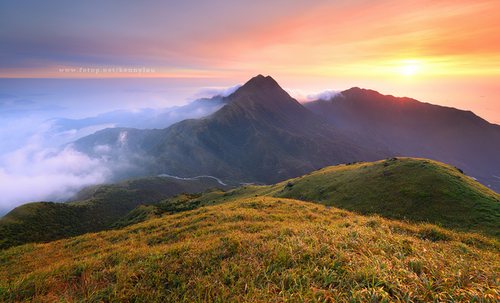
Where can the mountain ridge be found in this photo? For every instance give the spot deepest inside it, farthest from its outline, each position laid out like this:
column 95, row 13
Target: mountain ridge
column 260, row 135
column 417, row 129
column 143, row 118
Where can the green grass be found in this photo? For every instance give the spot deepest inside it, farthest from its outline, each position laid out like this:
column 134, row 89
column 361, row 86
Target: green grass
column 416, row 190
column 412, row 189
column 408, row 189
column 258, row 249
column 95, row 208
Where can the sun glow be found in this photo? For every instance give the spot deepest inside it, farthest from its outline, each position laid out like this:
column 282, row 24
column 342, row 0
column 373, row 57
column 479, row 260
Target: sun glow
column 410, row 67
column 409, row 70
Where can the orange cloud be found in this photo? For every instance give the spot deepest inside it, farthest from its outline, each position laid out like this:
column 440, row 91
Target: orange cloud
column 449, row 37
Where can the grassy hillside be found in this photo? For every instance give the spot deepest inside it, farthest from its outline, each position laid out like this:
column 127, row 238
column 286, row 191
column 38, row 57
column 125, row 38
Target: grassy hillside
column 408, row 189
column 258, row 249
column 416, row 190
column 403, row 188
column 94, row 208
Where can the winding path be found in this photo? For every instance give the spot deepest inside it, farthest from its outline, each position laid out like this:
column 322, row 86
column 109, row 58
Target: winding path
column 194, row 178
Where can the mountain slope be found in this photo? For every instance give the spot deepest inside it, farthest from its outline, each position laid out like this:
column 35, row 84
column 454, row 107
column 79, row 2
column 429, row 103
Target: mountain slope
column 266, row 134
column 260, row 135
column 416, row 129
column 257, row 249
column 93, row 209
column 418, row 190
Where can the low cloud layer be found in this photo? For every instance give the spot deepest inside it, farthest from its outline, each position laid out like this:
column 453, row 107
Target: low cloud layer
column 297, row 94
column 303, row 96
column 324, row 95
column 209, row 92
column 34, row 167
column 32, row 174
column 39, row 118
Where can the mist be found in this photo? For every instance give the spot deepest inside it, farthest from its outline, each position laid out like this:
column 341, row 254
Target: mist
column 209, row 92
column 39, row 120
column 305, row 96
column 33, row 173
column 38, row 162
column 324, row 95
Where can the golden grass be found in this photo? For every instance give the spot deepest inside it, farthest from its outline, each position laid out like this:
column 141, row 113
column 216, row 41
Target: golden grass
column 258, row 249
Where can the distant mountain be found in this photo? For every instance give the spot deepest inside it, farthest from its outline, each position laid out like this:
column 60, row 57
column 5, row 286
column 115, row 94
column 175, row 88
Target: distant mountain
column 144, row 118
column 260, row 135
column 415, row 129
column 121, row 118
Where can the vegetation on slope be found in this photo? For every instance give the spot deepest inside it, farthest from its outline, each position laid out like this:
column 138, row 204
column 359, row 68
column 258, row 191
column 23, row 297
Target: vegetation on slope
column 416, row 190
column 404, row 188
column 258, row 249
column 94, row 209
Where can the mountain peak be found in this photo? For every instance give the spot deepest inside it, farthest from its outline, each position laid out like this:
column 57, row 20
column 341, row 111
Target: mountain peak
column 261, row 83
column 263, row 80
column 264, row 94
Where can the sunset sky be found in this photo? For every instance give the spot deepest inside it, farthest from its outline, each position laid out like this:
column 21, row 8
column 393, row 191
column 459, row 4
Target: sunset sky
column 441, row 52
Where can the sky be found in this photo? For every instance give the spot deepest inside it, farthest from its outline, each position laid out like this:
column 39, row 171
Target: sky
column 441, row 52
column 76, row 59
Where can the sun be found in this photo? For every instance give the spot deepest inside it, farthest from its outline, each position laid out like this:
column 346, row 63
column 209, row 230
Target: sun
column 410, row 67
column 410, row 70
